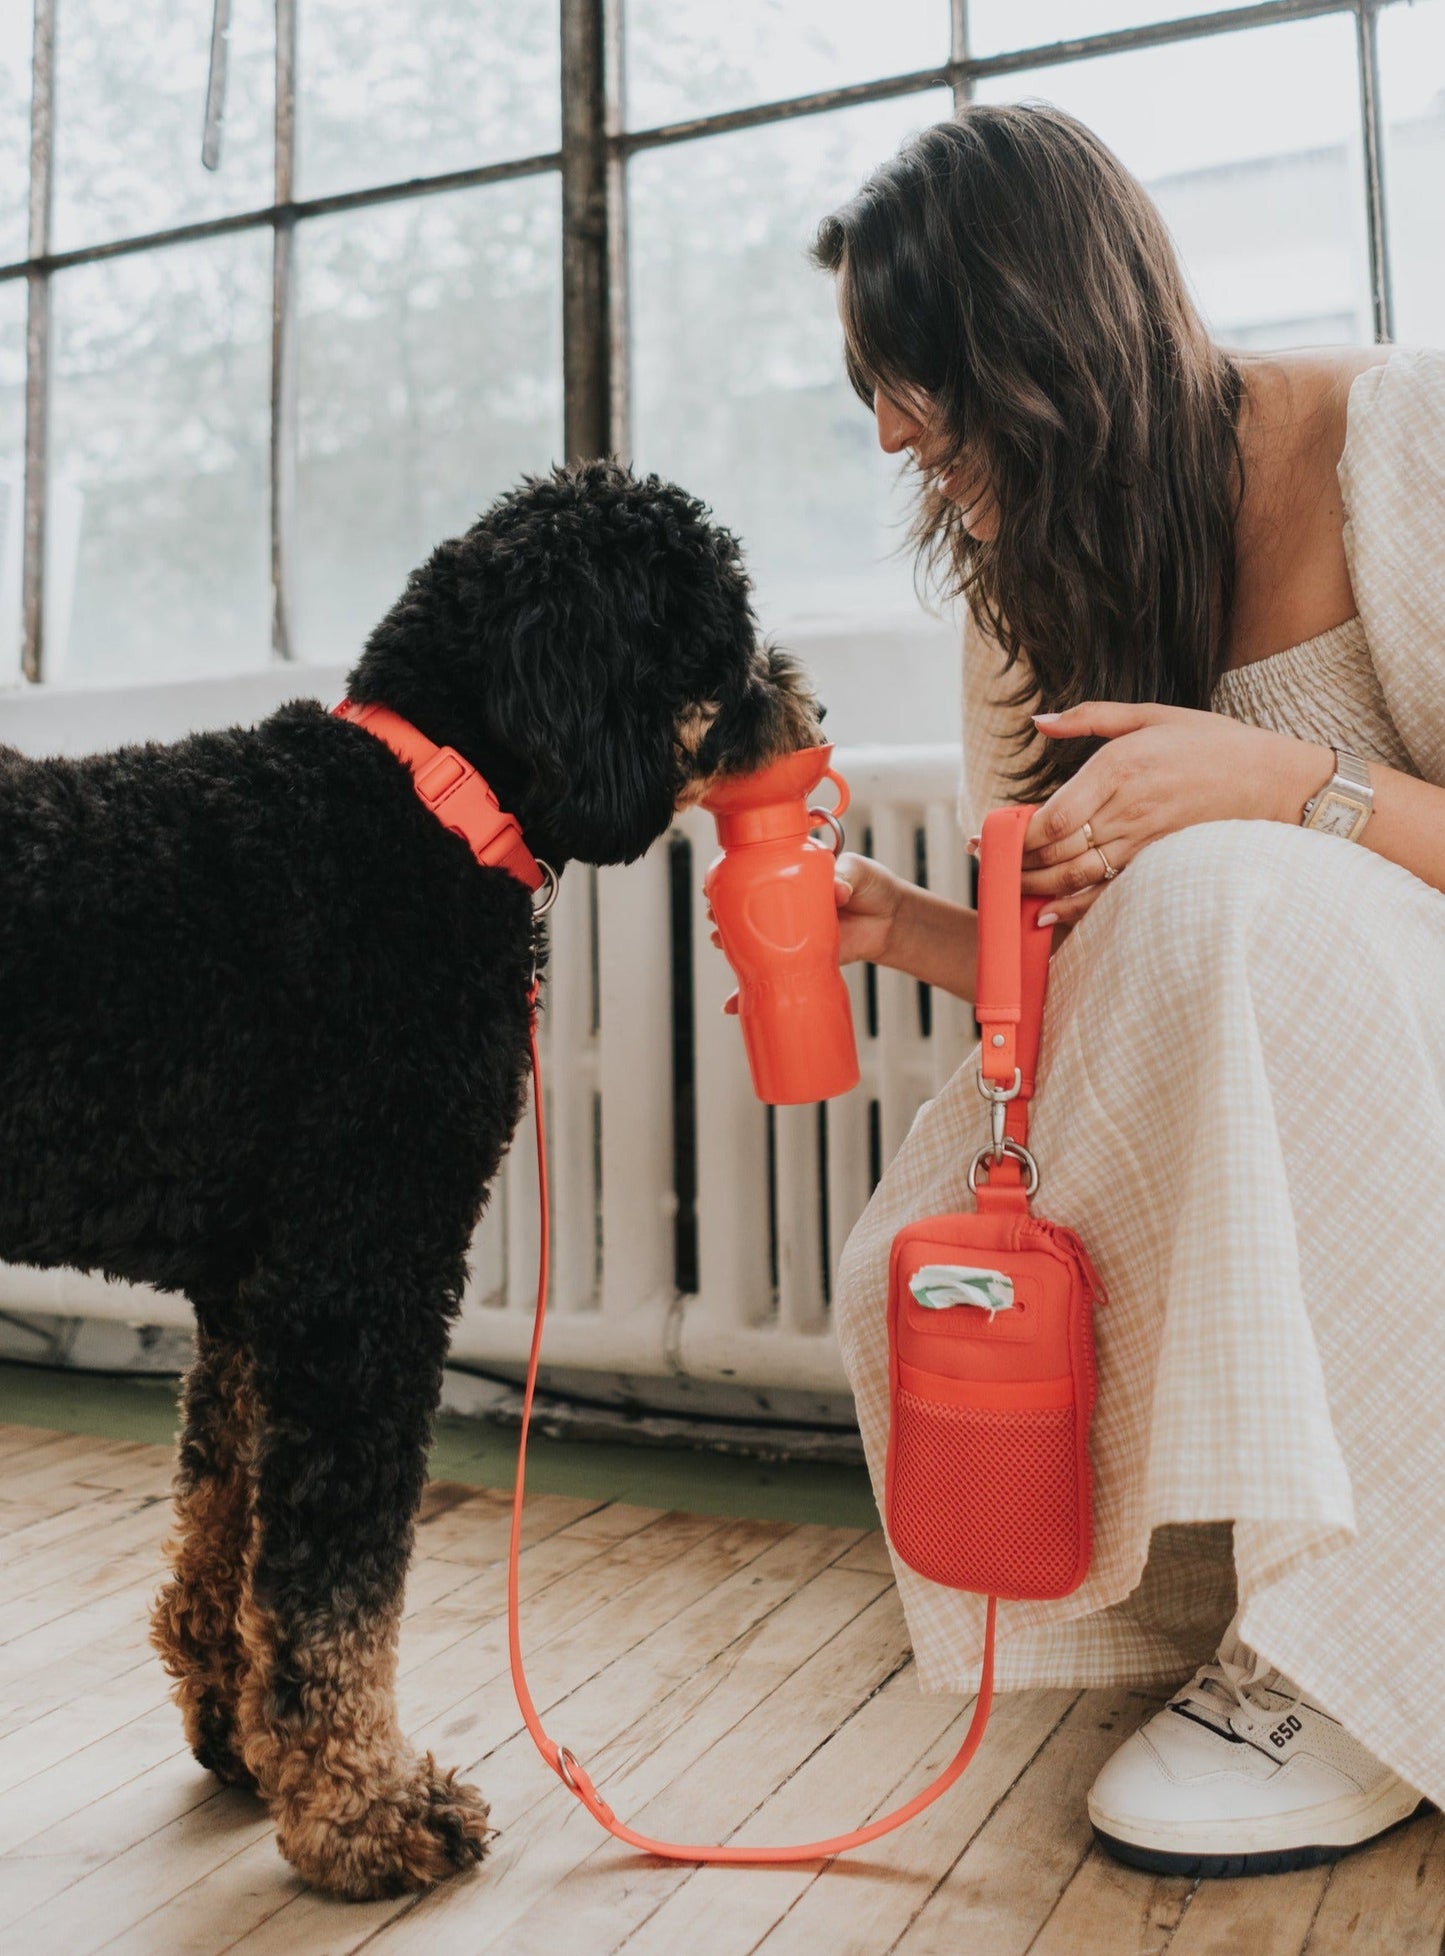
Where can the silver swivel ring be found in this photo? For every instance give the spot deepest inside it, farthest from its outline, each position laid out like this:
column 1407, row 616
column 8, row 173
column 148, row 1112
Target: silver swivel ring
column 818, row 816
column 1019, row 1153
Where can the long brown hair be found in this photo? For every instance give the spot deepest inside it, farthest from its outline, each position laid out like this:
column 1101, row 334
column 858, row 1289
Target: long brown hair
column 1006, row 265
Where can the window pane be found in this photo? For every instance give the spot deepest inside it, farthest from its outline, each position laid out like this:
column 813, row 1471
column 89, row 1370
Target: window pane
column 1250, row 145
column 1412, row 85
column 12, row 471
column 694, row 57
column 130, row 99
column 420, row 87
column 995, row 26
column 158, row 541
column 738, row 381
column 15, row 24
column 429, row 347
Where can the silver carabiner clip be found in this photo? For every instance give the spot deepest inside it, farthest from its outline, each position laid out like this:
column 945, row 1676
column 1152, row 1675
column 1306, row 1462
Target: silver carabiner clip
column 998, row 1099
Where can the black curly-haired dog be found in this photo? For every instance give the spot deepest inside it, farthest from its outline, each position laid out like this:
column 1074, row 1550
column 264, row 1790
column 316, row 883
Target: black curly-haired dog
column 263, row 1040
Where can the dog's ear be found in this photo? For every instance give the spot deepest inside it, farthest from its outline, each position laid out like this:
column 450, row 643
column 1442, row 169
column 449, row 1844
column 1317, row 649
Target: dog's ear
column 588, row 732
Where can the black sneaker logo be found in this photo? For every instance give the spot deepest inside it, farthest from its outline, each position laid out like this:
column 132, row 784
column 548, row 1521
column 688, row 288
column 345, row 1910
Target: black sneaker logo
column 1285, row 1731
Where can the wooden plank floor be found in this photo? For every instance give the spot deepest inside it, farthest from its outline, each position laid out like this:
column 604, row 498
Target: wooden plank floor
column 742, row 1680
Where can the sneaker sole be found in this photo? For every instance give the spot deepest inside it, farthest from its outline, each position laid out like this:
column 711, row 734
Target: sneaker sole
column 1207, row 1867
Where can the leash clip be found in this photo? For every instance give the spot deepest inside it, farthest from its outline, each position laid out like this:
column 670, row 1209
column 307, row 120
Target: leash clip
column 551, row 884
column 998, row 1099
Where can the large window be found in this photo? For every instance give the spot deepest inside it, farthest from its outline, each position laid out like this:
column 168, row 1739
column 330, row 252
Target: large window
column 435, row 244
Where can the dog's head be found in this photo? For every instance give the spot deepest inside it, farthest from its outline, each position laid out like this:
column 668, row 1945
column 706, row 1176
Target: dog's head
column 590, row 645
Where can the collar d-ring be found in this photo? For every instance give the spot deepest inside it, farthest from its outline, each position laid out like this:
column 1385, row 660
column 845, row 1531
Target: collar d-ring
column 547, row 895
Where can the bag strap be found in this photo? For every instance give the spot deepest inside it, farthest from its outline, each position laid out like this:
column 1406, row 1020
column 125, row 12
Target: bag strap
column 564, row 1763
column 1013, row 977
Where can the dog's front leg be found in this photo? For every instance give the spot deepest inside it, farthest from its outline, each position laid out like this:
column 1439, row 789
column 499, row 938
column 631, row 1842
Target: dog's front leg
column 348, row 1373
column 193, row 1623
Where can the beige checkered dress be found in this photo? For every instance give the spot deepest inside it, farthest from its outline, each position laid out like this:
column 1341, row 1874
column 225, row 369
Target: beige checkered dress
column 1241, row 1109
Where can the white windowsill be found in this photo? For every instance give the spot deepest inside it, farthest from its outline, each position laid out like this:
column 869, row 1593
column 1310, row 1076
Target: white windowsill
column 887, row 677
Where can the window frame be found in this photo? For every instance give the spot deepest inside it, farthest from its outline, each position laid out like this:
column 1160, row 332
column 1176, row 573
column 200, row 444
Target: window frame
column 592, row 163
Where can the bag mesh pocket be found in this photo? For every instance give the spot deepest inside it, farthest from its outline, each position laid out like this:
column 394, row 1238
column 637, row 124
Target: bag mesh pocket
column 986, row 1498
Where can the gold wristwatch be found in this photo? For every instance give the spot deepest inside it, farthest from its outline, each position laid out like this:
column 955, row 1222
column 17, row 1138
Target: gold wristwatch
column 1345, row 803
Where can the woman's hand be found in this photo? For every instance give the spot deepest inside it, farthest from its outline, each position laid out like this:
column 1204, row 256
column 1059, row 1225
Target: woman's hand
column 1164, row 768
column 869, row 898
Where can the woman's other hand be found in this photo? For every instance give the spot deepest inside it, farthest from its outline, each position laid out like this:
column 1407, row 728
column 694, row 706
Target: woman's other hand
column 1163, row 768
column 869, row 898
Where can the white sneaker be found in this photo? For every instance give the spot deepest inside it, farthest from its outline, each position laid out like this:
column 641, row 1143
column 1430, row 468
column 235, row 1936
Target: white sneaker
column 1238, row 1775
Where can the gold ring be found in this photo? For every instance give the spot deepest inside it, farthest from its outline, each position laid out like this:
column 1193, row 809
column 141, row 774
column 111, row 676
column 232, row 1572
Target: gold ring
column 1109, row 870
column 1088, row 834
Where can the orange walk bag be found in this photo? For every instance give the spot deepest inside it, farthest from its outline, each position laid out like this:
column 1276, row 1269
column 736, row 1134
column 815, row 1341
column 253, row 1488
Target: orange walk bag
column 990, row 1313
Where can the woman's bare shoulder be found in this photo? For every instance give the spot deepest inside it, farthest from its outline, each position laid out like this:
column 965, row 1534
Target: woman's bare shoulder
column 1298, row 403
column 1292, row 577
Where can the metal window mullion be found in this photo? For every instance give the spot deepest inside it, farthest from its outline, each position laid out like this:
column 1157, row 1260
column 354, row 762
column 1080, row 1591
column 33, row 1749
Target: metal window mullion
column 297, row 212
column 217, row 72
column 1156, row 34
column 38, row 340
column 962, row 72
column 586, row 306
column 619, row 279
column 958, row 54
column 1372, row 133
column 283, row 362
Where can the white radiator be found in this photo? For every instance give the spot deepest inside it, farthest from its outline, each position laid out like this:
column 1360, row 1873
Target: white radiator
column 720, row 1303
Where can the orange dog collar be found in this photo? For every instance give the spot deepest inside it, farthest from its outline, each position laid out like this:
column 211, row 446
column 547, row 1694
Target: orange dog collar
column 454, row 792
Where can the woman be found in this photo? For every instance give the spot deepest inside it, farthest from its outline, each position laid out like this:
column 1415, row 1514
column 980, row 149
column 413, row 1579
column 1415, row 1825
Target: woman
column 1191, row 577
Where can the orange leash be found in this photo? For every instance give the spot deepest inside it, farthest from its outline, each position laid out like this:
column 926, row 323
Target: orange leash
column 564, row 1763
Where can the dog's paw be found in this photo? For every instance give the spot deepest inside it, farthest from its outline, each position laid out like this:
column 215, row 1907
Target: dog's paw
column 209, row 1718
column 351, row 1842
column 218, row 1755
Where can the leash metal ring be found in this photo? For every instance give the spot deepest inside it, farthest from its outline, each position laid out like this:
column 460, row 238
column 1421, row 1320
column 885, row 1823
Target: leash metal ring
column 566, row 1760
column 818, row 816
column 550, row 886
column 1020, row 1155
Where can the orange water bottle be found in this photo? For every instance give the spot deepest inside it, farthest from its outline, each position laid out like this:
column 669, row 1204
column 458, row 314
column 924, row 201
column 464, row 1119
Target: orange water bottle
column 771, row 892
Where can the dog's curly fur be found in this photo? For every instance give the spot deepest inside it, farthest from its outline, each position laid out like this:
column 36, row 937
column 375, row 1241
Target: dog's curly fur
column 263, row 1040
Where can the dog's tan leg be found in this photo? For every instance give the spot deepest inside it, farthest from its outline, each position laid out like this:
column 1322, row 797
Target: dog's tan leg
column 357, row 1811
column 194, row 1622
column 344, row 1403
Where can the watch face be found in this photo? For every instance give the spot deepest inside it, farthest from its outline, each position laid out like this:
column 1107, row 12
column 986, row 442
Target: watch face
column 1336, row 814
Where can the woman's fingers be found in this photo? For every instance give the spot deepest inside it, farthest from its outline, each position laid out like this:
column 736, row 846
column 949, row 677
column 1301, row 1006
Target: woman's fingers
column 1104, row 718
column 1076, row 843
column 1068, row 910
column 852, row 874
column 1074, row 884
column 1079, row 873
